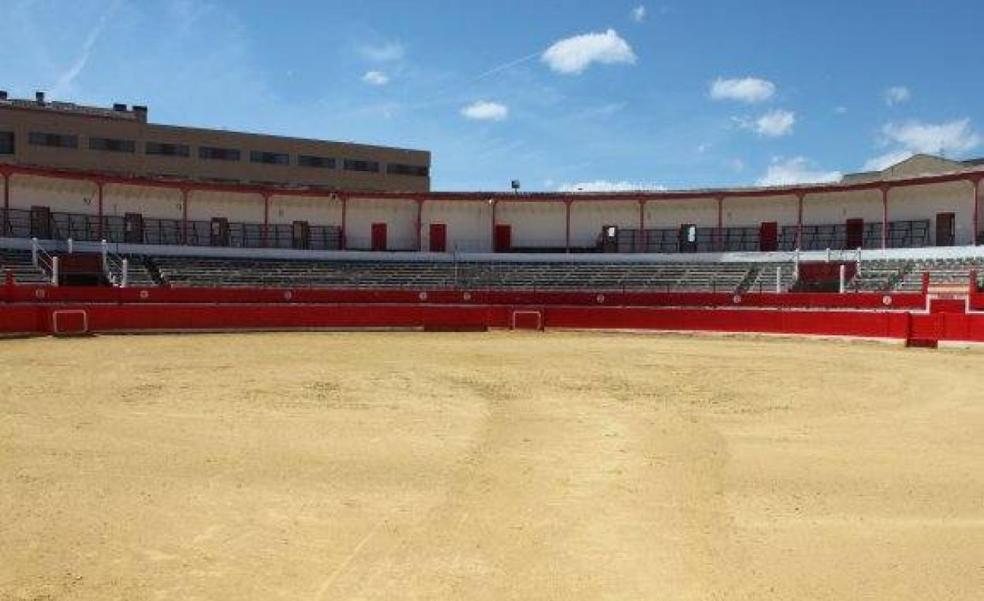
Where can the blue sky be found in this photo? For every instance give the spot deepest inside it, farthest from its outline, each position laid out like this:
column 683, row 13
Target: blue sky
column 557, row 94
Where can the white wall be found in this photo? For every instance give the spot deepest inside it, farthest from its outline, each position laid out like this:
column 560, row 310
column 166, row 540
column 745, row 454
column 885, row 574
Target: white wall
column 671, row 214
column 469, row 224
column 234, row 206
column 924, row 202
column 60, row 195
column 400, row 217
column 752, row 212
column 153, row 203
column 316, row 210
column 838, row 207
column 534, row 224
column 588, row 217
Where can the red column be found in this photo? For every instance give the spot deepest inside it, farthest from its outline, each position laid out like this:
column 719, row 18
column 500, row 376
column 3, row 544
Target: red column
column 567, row 233
column 799, row 220
column 642, row 226
column 494, row 203
column 344, row 218
column 720, row 227
column 185, row 193
column 266, row 220
column 420, row 224
column 99, row 204
column 977, row 206
column 884, row 232
column 6, row 203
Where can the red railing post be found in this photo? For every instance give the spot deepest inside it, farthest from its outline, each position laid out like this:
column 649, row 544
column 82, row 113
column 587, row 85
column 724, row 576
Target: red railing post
column 5, row 224
column 266, row 219
column 719, row 234
column 420, row 224
column 977, row 208
column 185, row 194
column 884, row 232
column 567, row 233
column 99, row 209
column 799, row 219
column 343, row 242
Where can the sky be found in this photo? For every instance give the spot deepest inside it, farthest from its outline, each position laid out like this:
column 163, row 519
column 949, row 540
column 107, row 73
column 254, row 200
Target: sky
column 560, row 95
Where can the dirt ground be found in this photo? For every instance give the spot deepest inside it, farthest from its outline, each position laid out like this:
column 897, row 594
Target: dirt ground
column 488, row 466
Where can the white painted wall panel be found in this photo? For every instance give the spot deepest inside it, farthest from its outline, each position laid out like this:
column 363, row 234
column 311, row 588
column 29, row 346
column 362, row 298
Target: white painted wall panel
column 534, row 224
column 236, row 207
column 924, row 202
column 60, row 195
column 315, row 210
column 752, row 212
column 587, row 219
column 837, row 208
column 671, row 214
column 152, row 203
column 400, row 217
column 469, row 224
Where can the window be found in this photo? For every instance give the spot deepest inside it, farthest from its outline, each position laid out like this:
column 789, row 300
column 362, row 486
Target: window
column 37, row 138
column 306, row 160
column 6, row 142
column 356, row 165
column 167, row 150
column 218, row 154
column 111, row 145
column 270, row 158
column 415, row 170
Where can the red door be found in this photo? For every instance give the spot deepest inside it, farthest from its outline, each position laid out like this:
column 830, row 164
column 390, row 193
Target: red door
column 379, row 236
column 503, row 238
column 945, row 229
column 769, row 236
column 855, row 234
column 438, row 237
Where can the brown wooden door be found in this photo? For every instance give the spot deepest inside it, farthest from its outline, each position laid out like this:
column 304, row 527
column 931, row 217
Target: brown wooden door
column 41, row 223
column 133, row 228
column 219, row 233
column 855, row 234
column 379, row 236
column 688, row 238
column 438, row 237
column 503, row 238
column 945, row 229
column 769, row 236
column 300, row 235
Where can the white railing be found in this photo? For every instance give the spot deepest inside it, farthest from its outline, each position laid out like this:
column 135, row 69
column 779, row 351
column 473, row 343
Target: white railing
column 44, row 261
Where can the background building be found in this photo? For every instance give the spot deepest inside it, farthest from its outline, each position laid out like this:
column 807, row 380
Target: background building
column 120, row 140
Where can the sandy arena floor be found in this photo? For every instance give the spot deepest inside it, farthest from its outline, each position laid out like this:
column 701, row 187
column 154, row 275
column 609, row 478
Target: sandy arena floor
column 488, row 466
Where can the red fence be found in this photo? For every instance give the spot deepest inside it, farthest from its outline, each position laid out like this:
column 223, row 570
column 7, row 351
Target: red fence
column 40, row 310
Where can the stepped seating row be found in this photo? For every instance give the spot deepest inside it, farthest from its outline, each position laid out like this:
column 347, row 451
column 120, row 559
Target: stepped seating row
column 182, row 271
column 19, row 263
column 906, row 276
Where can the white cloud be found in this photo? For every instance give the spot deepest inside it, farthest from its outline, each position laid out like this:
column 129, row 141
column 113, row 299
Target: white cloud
column 886, row 160
column 951, row 137
column 603, row 185
column 639, row 14
column 484, row 110
column 376, row 78
column 383, row 53
column 67, row 77
column 746, row 89
column 573, row 55
column 840, row 110
column 797, row 170
column 775, row 123
column 897, row 95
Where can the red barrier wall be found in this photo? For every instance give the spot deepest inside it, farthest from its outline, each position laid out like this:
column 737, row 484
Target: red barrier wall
column 26, row 310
